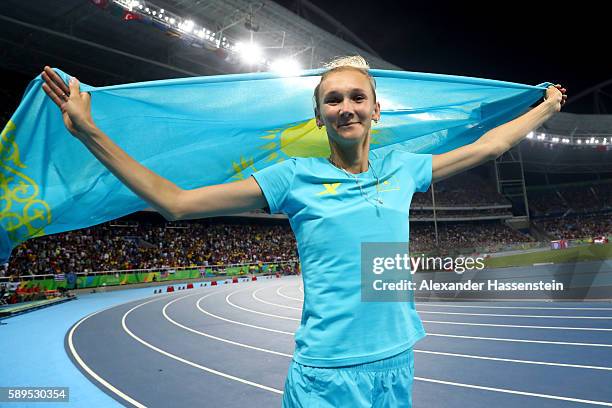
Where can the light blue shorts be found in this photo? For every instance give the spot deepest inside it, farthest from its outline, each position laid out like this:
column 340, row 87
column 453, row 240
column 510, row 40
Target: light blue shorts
column 380, row 384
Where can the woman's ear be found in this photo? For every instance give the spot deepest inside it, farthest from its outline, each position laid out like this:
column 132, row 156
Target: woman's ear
column 318, row 119
column 376, row 113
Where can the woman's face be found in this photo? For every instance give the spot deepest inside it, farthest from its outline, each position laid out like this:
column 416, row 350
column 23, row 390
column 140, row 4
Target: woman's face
column 347, row 106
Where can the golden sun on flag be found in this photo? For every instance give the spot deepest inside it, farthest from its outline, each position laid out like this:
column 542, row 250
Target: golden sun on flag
column 302, row 139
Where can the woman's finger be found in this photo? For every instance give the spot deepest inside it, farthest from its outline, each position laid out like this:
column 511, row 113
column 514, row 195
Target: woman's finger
column 52, row 95
column 54, row 88
column 57, row 80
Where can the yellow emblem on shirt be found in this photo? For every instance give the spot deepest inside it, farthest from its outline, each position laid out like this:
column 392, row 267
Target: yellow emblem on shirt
column 389, row 185
column 330, row 188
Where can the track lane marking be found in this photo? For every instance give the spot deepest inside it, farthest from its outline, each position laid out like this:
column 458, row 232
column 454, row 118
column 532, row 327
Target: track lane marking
column 188, row 362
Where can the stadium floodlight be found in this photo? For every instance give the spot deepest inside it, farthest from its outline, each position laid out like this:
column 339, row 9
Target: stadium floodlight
column 555, row 139
column 605, row 140
column 579, row 141
column 286, row 67
column 565, row 140
column 541, row 136
column 186, row 25
column 530, row 135
column 250, row 52
column 189, row 30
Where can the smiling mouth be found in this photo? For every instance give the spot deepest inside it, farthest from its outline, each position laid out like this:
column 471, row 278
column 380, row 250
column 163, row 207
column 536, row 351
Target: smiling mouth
column 348, row 124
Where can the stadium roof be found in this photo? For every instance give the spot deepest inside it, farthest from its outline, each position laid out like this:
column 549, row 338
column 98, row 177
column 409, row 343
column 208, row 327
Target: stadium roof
column 102, row 47
column 571, row 124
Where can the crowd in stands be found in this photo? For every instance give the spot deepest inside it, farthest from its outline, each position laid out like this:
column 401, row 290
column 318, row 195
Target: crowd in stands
column 577, row 226
column 428, row 214
column 144, row 246
column 573, row 199
column 484, row 236
column 460, row 191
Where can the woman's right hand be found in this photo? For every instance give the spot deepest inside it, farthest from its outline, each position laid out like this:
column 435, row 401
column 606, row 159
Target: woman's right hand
column 75, row 105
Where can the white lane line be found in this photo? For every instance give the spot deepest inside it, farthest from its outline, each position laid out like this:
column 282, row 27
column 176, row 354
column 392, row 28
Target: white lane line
column 254, row 296
column 477, row 306
column 227, row 300
column 511, row 315
column 518, row 326
column 508, row 360
column 507, row 391
column 444, row 353
column 428, row 321
column 201, row 333
column 278, row 292
column 236, row 322
column 559, row 343
column 91, row 372
column 185, row 361
column 510, row 391
column 515, row 307
column 445, row 299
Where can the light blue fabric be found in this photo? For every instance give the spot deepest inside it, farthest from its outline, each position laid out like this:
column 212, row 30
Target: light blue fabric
column 381, row 384
column 210, row 130
column 331, row 214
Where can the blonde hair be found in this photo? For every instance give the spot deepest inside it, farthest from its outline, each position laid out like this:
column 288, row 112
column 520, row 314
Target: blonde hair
column 353, row 63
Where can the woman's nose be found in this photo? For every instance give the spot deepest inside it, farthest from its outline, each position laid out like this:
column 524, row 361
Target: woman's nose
column 346, row 109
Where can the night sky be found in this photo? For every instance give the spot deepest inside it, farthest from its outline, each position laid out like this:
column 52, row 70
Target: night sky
column 525, row 42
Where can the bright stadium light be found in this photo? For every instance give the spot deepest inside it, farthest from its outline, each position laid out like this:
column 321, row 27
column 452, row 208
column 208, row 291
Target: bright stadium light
column 579, row 141
column 565, row 140
column 186, row 26
column 250, row 53
column 555, row 139
column 530, row 135
column 286, row 67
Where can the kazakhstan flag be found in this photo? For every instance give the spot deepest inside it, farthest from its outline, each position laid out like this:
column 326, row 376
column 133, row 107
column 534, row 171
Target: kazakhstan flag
column 216, row 129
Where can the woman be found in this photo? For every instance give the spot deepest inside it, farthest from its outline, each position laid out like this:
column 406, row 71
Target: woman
column 348, row 353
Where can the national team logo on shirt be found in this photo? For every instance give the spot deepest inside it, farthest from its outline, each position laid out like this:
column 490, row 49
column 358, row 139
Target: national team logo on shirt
column 392, row 184
column 330, row 188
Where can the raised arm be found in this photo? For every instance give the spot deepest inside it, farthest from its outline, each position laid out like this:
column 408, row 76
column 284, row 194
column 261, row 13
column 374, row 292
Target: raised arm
column 498, row 140
column 167, row 198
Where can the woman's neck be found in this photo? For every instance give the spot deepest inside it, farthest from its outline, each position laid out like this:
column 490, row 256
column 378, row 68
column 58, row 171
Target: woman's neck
column 353, row 159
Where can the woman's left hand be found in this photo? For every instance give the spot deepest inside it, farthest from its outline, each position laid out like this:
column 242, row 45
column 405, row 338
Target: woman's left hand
column 557, row 96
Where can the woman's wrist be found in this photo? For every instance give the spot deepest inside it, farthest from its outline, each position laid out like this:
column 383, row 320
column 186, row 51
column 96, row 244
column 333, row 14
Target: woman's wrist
column 550, row 106
column 88, row 131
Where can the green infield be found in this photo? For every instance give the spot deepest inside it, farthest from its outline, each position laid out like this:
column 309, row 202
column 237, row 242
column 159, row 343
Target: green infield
column 592, row 252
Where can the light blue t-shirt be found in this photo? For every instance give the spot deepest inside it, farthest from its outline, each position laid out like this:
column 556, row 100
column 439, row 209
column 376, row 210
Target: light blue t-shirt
column 331, row 217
